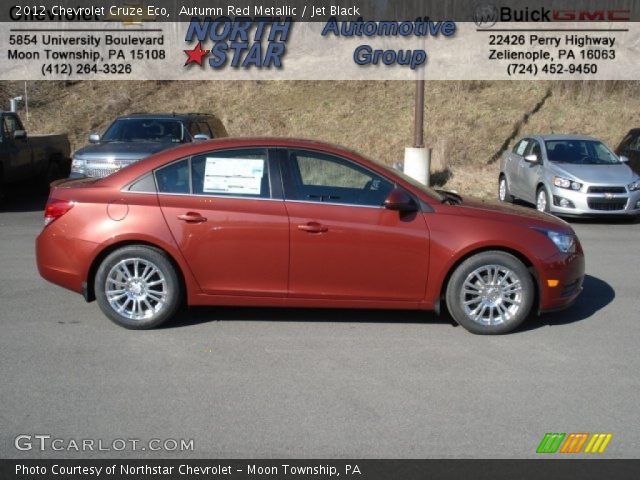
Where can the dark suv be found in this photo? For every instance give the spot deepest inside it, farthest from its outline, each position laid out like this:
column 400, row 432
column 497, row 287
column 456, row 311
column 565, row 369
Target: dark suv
column 133, row 137
column 630, row 147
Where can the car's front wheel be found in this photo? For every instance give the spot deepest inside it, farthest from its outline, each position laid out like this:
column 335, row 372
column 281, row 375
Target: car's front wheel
column 503, row 190
column 137, row 287
column 490, row 293
column 542, row 200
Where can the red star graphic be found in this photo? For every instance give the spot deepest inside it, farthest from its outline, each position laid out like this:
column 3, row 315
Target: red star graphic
column 195, row 55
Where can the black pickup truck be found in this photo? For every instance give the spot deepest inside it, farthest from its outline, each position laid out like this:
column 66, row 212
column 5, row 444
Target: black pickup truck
column 41, row 158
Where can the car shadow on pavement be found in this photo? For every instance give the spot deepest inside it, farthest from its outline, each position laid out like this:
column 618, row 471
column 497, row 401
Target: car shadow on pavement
column 607, row 220
column 197, row 315
column 613, row 220
column 596, row 295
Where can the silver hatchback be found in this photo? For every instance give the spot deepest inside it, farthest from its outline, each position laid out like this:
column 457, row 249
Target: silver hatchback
column 569, row 175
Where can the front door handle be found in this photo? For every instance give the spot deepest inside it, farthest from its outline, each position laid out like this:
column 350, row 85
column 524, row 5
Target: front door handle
column 192, row 217
column 313, row 227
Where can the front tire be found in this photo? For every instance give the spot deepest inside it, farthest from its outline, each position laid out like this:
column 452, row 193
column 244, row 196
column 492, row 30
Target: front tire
column 542, row 200
column 137, row 287
column 490, row 293
column 504, row 195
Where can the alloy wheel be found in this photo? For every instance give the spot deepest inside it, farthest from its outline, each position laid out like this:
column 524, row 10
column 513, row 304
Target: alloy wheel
column 136, row 288
column 491, row 295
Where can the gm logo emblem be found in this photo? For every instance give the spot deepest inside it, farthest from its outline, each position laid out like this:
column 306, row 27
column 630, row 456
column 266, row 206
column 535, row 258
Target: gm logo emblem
column 485, row 15
column 574, row 442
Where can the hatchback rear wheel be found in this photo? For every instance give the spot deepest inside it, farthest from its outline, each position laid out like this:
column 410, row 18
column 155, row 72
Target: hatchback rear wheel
column 490, row 293
column 137, row 287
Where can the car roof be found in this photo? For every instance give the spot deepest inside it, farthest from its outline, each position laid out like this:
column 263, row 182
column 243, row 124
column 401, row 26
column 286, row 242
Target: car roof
column 197, row 148
column 181, row 116
column 561, row 137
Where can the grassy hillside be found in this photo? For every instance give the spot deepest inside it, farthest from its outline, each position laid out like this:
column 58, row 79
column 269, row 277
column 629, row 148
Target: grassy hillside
column 468, row 124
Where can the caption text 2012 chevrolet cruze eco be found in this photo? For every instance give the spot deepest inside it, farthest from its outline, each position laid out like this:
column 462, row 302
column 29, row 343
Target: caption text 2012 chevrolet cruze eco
column 283, row 222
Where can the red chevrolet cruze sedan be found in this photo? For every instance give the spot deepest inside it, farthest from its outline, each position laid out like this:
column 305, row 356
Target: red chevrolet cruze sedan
column 282, row 222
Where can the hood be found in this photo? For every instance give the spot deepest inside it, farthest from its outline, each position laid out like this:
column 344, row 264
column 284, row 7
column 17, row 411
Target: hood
column 616, row 174
column 121, row 150
column 503, row 211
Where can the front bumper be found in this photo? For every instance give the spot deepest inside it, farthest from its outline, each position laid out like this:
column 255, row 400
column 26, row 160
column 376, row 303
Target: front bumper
column 585, row 203
column 566, row 272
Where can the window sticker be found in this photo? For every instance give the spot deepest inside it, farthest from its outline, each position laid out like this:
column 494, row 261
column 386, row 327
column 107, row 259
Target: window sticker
column 522, row 147
column 233, row 176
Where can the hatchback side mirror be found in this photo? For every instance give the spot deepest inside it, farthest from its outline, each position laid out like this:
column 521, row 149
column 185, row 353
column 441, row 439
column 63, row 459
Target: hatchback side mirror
column 624, row 159
column 400, row 201
column 201, row 137
column 94, row 138
column 533, row 158
column 20, row 134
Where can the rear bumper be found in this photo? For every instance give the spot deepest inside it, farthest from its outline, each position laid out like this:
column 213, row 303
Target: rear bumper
column 568, row 271
column 61, row 260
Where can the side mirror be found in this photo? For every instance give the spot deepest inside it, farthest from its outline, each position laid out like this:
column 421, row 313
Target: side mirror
column 624, row 159
column 20, row 134
column 94, row 137
column 533, row 158
column 199, row 137
column 400, row 201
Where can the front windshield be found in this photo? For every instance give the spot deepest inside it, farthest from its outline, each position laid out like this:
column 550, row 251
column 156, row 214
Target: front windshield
column 428, row 190
column 143, row 129
column 580, row 152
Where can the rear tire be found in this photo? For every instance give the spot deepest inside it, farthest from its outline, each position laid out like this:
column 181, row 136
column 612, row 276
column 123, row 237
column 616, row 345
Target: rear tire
column 504, row 195
column 137, row 287
column 490, row 293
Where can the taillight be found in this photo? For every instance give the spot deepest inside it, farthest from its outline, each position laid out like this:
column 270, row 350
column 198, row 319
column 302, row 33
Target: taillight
column 55, row 209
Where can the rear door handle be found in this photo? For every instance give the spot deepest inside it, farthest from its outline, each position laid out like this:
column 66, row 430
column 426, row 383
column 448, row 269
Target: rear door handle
column 313, row 227
column 192, row 217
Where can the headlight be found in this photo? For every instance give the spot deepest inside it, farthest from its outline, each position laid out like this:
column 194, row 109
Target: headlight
column 566, row 183
column 78, row 166
column 566, row 242
column 634, row 186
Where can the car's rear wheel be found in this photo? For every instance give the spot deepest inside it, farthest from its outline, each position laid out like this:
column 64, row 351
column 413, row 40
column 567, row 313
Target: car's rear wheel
column 490, row 293
column 503, row 190
column 137, row 287
column 542, row 200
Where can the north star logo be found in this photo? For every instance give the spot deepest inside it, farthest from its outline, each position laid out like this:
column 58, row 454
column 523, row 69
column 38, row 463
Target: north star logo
column 196, row 55
column 240, row 43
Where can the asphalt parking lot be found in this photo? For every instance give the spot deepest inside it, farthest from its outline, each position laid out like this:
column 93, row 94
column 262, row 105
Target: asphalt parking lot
column 262, row 383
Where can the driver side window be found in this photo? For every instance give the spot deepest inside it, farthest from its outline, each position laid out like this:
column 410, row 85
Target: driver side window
column 322, row 178
column 534, row 149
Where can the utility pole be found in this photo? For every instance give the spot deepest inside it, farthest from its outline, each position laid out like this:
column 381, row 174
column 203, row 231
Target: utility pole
column 418, row 129
column 417, row 158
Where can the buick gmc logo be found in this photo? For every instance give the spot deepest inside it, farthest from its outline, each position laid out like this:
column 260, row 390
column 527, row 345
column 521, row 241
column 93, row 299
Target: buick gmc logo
column 486, row 15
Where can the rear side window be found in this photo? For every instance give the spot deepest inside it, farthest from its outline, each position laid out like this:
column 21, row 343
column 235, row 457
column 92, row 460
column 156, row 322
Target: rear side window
column 318, row 177
column 173, row 178
column 145, row 184
column 235, row 173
